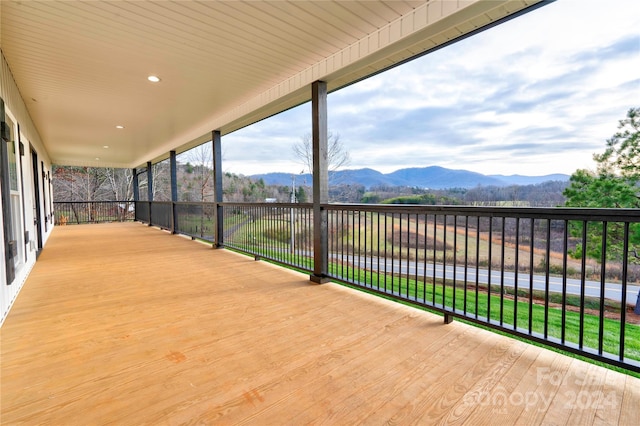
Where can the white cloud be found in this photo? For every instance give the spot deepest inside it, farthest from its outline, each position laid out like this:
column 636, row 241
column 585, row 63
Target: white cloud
column 536, row 95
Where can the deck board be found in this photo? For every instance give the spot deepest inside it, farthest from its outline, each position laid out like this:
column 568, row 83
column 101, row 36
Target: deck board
column 127, row 324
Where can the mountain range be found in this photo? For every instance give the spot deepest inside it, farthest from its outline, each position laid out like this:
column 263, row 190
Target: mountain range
column 433, row 177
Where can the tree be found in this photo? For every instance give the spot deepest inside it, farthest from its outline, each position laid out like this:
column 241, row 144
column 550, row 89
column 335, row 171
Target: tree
column 337, row 155
column 615, row 184
column 91, row 184
column 301, row 195
column 119, row 183
column 622, row 155
column 199, row 168
column 161, row 172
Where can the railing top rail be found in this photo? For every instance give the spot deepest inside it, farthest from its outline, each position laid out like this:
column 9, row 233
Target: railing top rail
column 158, row 202
column 293, row 205
column 554, row 213
column 84, row 202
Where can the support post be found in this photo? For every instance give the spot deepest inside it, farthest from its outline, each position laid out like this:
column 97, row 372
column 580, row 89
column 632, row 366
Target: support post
column 136, row 193
column 216, row 142
column 136, row 186
column 320, row 181
column 149, row 181
column 150, row 189
column 174, row 189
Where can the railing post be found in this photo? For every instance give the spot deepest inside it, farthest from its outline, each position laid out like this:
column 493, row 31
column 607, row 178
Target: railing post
column 320, row 181
column 216, row 142
column 174, row 189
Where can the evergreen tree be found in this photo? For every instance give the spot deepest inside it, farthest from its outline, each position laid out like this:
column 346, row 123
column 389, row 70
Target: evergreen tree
column 615, row 184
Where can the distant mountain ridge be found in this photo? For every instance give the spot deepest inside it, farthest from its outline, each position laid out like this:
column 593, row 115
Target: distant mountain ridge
column 434, row 177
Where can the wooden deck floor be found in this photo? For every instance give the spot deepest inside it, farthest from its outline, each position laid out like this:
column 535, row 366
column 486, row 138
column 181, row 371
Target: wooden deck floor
column 126, row 324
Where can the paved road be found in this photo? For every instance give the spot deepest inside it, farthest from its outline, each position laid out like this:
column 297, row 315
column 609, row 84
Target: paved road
column 592, row 288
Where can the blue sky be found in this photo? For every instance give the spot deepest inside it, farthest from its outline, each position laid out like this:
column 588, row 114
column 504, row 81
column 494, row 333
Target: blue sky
column 537, row 95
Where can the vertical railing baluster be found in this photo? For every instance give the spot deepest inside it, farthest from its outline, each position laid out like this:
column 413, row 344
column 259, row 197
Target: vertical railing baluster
column 477, row 265
column 393, row 251
column 331, row 239
column 435, row 243
column 297, row 234
column 603, row 280
column 583, row 279
column 516, row 275
column 408, row 254
column 308, row 232
column 399, row 280
column 375, row 249
column 340, row 231
column 565, row 253
column 309, row 243
column 415, row 263
column 490, row 254
column 502, row 264
column 455, row 253
column 623, row 301
column 379, row 234
column 362, row 261
column 546, row 278
column 424, row 264
column 466, row 263
column 532, row 231
column 386, row 258
column 259, row 234
column 444, row 260
column 353, row 244
column 378, row 253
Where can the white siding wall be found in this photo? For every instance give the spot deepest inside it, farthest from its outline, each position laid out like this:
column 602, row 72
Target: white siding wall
column 16, row 108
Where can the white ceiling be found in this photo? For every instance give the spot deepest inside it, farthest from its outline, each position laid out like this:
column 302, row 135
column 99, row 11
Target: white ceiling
column 82, row 66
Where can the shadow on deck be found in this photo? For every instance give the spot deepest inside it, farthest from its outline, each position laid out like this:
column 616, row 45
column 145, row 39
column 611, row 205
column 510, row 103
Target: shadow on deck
column 127, row 324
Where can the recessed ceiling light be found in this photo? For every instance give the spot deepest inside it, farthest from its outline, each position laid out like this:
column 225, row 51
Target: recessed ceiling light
column 119, row 127
column 153, row 78
column 97, row 158
column 105, row 146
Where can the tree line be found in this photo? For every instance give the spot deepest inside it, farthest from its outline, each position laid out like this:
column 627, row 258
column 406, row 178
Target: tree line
column 195, row 184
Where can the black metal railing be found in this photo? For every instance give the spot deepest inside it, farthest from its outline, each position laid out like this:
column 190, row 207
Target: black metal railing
column 78, row 212
column 161, row 213
column 197, row 220
column 143, row 211
column 279, row 232
column 568, row 278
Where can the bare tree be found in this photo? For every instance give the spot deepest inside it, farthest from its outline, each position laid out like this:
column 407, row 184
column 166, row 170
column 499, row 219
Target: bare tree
column 161, row 181
column 337, row 154
column 119, row 187
column 200, row 166
column 119, row 184
column 77, row 183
